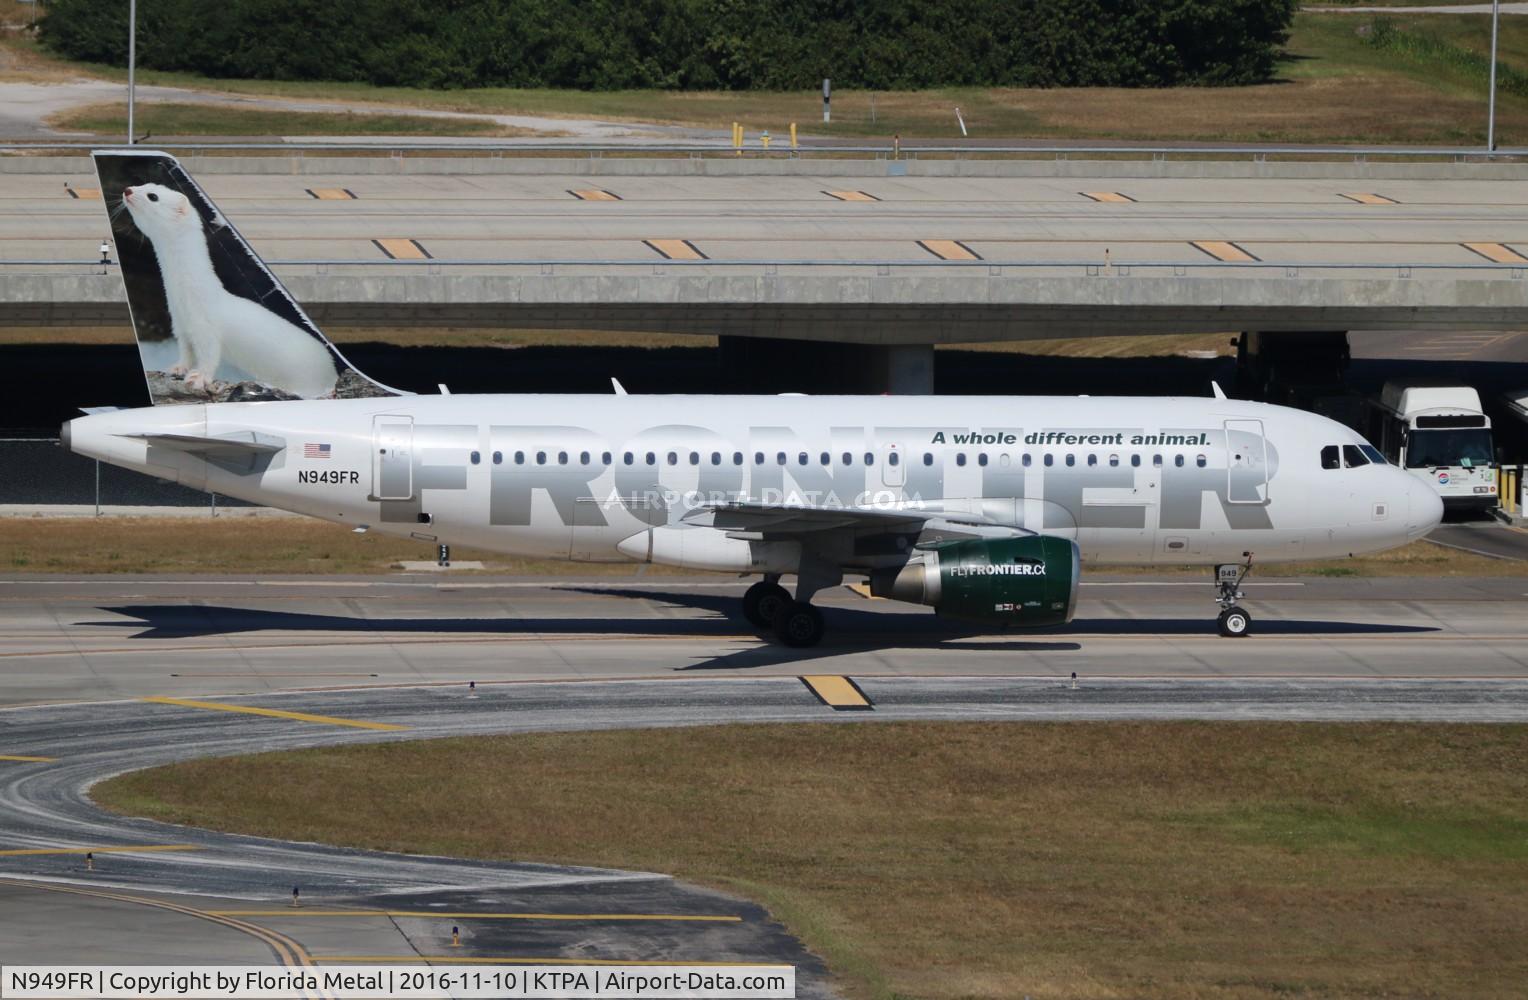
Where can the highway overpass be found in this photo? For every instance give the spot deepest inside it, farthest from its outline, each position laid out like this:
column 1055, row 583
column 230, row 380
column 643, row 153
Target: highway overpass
column 896, row 254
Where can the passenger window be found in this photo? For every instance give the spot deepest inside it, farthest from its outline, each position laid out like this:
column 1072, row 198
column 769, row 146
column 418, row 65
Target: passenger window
column 716, row 458
column 605, row 458
column 583, row 458
column 1201, row 461
column 519, row 458
column 628, row 458
column 1025, row 461
column 1352, row 457
column 869, row 458
column 893, row 459
column 540, row 458
column 1329, row 459
column 960, row 458
column 737, row 458
column 1135, row 461
column 1050, row 460
column 982, row 459
column 652, row 458
column 562, row 458
column 476, row 458
column 801, row 458
column 1113, row 461
column 694, row 458
column 1178, row 461
column 1156, row 461
column 758, row 458
column 1092, row 460
column 1071, row 460
column 848, row 458
column 779, row 458
column 498, row 458
column 827, row 459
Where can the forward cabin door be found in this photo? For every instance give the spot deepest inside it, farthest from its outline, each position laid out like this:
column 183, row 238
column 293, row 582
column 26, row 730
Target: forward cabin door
column 1246, row 462
column 392, row 457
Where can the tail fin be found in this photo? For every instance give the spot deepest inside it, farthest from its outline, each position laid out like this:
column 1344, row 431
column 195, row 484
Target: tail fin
column 213, row 323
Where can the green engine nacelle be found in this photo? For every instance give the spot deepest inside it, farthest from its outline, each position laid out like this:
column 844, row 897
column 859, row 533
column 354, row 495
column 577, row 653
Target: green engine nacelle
column 1024, row 582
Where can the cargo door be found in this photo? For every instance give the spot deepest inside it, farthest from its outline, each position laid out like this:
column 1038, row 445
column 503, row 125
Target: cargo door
column 1246, row 462
column 392, row 458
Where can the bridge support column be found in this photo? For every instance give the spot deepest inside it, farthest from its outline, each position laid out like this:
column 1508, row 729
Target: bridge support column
column 764, row 365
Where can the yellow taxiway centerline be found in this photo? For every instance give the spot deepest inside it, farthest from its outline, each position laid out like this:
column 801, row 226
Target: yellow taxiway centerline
column 27, row 760
column 326, row 720
column 431, row 915
column 138, row 849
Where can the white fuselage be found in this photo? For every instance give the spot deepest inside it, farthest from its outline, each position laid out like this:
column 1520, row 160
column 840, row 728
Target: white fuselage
column 614, row 478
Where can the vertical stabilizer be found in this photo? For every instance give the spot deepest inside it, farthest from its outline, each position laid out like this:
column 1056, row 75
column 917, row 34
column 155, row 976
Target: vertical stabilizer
column 213, row 323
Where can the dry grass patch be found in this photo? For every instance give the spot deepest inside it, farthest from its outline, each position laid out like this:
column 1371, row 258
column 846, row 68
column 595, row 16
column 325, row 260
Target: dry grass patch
column 946, row 860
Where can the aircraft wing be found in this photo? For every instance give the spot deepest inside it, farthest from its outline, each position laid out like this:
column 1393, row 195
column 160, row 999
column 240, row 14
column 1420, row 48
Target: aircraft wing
column 747, row 518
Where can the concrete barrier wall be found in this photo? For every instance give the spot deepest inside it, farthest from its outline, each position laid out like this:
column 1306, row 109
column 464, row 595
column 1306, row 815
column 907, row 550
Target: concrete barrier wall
column 78, row 166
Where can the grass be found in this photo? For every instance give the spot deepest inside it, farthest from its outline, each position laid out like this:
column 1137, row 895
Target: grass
column 1335, row 86
column 982, row 860
column 162, row 119
column 239, row 543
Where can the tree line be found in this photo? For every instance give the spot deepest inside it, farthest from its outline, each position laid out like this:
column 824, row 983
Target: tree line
column 690, row 44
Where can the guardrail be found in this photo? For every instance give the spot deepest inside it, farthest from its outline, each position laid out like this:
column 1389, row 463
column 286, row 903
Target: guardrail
column 1090, row 268
column 905, row 151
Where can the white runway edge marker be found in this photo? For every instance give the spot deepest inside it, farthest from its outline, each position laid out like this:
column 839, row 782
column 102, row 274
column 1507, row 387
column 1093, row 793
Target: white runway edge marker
column 383, row 978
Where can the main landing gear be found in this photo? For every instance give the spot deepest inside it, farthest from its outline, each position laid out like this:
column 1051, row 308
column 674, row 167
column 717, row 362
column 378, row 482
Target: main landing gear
column 1234, row 621
column 795, row 622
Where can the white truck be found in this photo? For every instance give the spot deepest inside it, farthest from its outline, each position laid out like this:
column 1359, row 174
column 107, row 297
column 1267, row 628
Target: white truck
column 1441, row 434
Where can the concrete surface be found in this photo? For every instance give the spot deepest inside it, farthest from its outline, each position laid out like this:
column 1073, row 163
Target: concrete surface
column 787, row 260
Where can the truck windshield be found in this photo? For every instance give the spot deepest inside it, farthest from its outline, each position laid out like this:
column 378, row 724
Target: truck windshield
column 1464, row 447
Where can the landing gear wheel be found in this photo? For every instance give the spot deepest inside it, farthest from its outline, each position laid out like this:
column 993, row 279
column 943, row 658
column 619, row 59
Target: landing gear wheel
column 799, row 625
column 1235, row 623
column 763, row 602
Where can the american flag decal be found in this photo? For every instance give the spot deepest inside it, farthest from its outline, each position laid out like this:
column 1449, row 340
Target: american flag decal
column 311, row 450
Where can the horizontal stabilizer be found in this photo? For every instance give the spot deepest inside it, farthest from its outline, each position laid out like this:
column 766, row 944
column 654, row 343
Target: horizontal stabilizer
column 249, row 444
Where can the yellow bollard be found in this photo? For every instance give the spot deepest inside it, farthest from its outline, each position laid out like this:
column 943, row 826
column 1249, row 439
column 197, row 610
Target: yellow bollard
column 793, row 135
column 764, row 140
column 456, row 937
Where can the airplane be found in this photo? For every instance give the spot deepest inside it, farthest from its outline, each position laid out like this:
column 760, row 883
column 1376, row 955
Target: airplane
column 980, row 507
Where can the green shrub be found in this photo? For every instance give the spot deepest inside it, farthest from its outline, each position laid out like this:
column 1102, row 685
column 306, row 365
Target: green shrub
column 691, row 44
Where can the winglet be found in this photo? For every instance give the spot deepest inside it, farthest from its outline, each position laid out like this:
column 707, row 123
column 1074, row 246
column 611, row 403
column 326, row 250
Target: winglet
column 615, row 383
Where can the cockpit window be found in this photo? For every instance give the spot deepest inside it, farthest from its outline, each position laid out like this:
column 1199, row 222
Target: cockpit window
column 1373, row 453
column 1329, row 457
column 1352, row 457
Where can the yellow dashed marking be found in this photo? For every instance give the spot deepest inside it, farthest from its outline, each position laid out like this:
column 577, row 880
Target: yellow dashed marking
column 838, row 693
column 149, row 848
column 401, row 249
column 851, row 195
column 1497, row 253
column 469, row 960
column 1223, row 250
column 332, row 194
column 949, row 250
column 326, row 720
column 27, row 760
column 595, row 194
column 1114, row 196
column 676, row 249
column 84, row 194
column 432, row 915
column 1371, row 199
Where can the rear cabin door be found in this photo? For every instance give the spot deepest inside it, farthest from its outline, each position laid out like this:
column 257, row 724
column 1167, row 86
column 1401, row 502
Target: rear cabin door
column 1246, row 462
column 392, row 457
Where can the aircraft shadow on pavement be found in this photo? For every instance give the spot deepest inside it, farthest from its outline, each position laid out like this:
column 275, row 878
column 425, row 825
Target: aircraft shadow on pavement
column 850, row 630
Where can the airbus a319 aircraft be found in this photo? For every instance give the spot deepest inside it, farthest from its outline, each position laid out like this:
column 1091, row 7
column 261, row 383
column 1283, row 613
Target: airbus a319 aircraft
column 981, row 507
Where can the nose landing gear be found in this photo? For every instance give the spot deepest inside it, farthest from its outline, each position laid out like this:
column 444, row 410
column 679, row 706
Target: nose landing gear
column 1234, row 621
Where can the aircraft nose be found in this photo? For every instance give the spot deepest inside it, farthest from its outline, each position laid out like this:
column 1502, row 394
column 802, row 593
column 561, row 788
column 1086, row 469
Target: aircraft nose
column 1425, row 507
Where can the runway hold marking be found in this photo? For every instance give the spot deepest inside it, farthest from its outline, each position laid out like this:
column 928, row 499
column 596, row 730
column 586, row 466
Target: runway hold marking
column 141, row 849
column 1111, row 196
column 332, row 194
column 83, row 194
column 1370, row 199
column 851, row 195
column 1224, row 250
column 325, row 720
column 594, row 194
column 431, row 915
column 470, row 960
column 26, row 760
column 675, row 249
column 401, row 249
column 949, row 250
column 838, row 693
column 1496, row 253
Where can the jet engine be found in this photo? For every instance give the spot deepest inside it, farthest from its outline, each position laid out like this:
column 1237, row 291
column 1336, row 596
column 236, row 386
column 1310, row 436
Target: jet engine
column 1024, row 582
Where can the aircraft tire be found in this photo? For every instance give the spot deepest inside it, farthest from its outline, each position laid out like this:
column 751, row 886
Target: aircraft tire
column 763, row 602
column 1235, row 623
column 799, row 625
